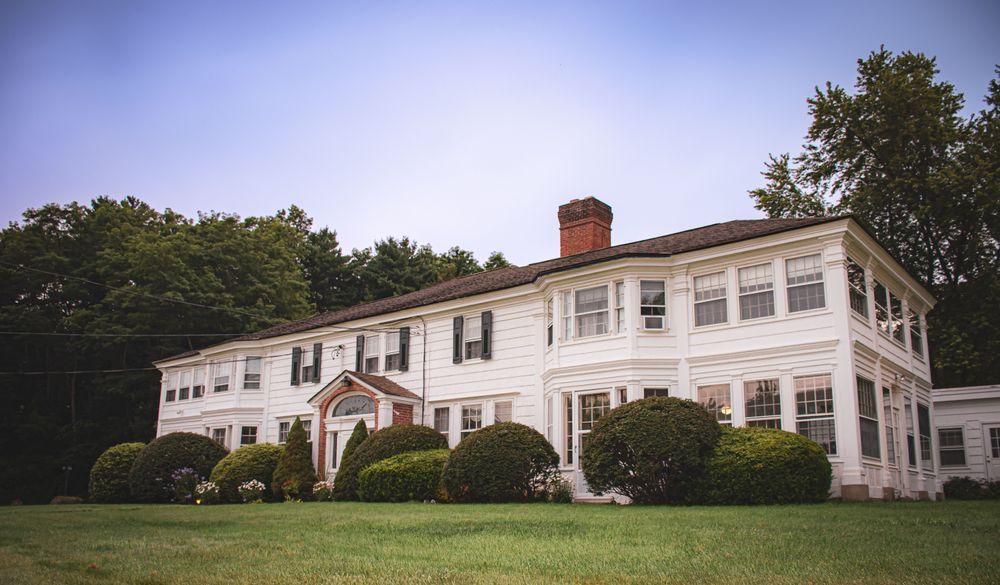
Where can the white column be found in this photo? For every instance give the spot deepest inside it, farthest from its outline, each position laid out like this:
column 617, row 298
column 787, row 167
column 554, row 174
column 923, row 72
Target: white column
column 678, row 317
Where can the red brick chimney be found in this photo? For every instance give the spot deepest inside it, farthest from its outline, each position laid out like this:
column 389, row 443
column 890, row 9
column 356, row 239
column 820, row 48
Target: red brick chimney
column 584, row 225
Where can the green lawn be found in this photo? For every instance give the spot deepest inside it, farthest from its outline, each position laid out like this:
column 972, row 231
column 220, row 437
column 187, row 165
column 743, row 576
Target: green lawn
column 341, row 542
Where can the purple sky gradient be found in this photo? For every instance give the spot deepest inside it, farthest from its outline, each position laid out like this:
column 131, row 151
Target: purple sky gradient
column 449, row 123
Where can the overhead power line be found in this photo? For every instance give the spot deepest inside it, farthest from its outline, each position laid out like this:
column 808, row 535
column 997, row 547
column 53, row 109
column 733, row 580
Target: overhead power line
column 48, row 373
column 55, row 334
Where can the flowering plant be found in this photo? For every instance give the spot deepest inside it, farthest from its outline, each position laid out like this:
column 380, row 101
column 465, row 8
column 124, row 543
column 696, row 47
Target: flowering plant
column 323, row 491
column 184, row 481
column 206, row 492
column 252, row 491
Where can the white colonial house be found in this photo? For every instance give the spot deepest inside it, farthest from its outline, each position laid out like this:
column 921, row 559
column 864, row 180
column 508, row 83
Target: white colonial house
column 968, row 431
column 807, row 325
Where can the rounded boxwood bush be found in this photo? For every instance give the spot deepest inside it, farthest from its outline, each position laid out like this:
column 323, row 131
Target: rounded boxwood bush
column 149, row 479
column 765, row 466
column 415, row 475
column 505, row 462
column 653, row 451
column 109, row 475
column 246, row 463
column 380, row 445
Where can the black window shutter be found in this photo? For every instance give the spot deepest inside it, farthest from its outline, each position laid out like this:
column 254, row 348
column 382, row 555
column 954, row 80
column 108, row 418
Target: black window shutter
column 359, row 355
column 404, row 348
column 487, row 324
column 317, row 360
column 456, row 347
column 296, row 360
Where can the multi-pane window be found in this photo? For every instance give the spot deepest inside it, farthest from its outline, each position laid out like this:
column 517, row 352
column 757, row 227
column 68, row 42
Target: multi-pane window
column 220, row 379
column 198, row 387
column 568, row 430
column 951, row 446
column 392, row 351
column 995, row 442
column 622, row 395
column 650, row 392
column 549, row 328
column 710, row 299
column 868, row 418
column 566, row 312
column 619, row 307
column 653, row 304
column 251, row 373
column 591, row 315
column 356, row 405
column 593, row 407
column 896, row 312
column 911, row 445
column 916, row 334
column 286, row 425
column 248, row 435
column 170, row 388
column 804, row 283
column 371, row 354
column 858, row 288
column 502, row 411
column 473, row 337
column 472, row 419
column 185, row 390
column 924, row 428
column 549, row 418
column 882, row 307
column 306, row 365
column 814, row 410
column 717, row 399
column 219, row 435
column 763, row 403
column 756, row 291
column 890, row 427
column 442, row 420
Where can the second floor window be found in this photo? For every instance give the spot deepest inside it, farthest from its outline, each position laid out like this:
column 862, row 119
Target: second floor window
column 548, row 323
column 882, row 307
column 473, row 336
column 591, row 315
column 804, row 283
column 566, row 312
column 896, row 313
column 710, row 299
column 170, row 388
column 916, row 334
column 220, row 380
column 251, row 373
column 859, row 294
column 198, row 388
column 392, row 351
column 371, row 354
column 756, row 291
column 185, row 390
column 653, row 304
column 620, row 307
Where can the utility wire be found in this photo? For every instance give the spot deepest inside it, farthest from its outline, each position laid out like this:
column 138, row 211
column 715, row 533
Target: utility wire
column 121, row 334
column 49, row 372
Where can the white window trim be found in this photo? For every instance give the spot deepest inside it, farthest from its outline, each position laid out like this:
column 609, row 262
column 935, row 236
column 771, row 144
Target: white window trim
column 260, row 374
column 822, row 281
column 387, row 353
column 194, row 382
column 851, row 287
column 666, row 297
column 550, row 332
column 747, row 418
column 962, row 448
column 825, row 416
column 462, row 431
column 305, row 419
column 732, row 406
column 607, row 311
column 466, row 319
column 694, row 311
column 377, row 355
column 229, row 376
column 740, row 295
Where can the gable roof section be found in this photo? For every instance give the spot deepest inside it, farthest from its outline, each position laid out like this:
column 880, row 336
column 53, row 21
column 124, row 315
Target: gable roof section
column 380, row 384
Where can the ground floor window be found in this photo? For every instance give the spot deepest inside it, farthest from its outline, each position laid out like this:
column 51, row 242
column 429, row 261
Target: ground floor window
column 286, row 425
column 472, row 419
column 219, row 435
column 924, row 426
column 442, row 419
column 503, row 411
column 622, row 396
column 248, row 435
column 868, row 418
column 951, row 446
column 763, row 403
column 718, row 400
column 650, row 392
column 568, row 430
column 593, row 407
column 333, row 450
column 911, row 444
column 814, row 410
column 890, row 427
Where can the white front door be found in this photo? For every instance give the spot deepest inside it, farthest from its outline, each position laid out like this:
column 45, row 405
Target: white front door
column 588, row 407
column 991, row 436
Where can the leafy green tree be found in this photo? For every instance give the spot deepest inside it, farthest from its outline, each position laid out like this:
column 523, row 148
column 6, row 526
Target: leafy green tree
column 333, row 282
column 294, row 476
column 358, row 436
column 496, row 260
column 394, row 267
column 898, row 155
column 456, row 262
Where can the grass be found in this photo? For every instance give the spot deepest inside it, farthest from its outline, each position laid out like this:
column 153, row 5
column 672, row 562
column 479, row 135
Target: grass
column 955, row 542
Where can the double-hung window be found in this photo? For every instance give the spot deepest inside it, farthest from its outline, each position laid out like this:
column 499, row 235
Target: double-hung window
column 306, row 365
column 251, row 373
column 392, row 351
column 566, row 313
column 248, row 435
column 170, row 388
column 924, row 428
column 185, row 390
column 473, row 337
column 503, row 411
column 911, row 445
column 620, row 307
column 717, row 399
column 442, row 420
column 951, row 446
column 591, row 315
column 804, row 283
column 814, row 410
column 896, row 312
column 568, row 429
column 371, row 354
column 868, row 418
column 763, row 403
column 550, row 406
column 858, row 288
column 198, row 388
column 472, row 419
column 890, row 427
column 756, row 291
column 219, row 435
column 882, row 307
column 286, row 425
column 653, row 304
column 592, row 408
column 220, row 379
column 549, row 332
column 710, row 299
column 916, row 334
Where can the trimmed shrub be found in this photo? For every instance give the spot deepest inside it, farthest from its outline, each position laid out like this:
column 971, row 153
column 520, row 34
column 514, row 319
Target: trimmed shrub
column 380, row 445
column 765, row 466
column 248, row 462
column 504, row 462
column 149, row 479
column 966, row 488
column 654, row 451
column 109, row 475
column 294, row 475
column 415, row 475
column 358, row 436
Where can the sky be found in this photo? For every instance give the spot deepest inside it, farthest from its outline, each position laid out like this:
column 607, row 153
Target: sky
column 452, row 123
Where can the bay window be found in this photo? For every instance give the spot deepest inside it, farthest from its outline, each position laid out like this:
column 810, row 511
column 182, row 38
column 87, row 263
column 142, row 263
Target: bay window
column 620, row 307
column 219, row 435
column 710, row 299
column 858, row 288
column 220, row 379
column 916, row 334
column 248, row 435
column 566, row 313
column 804, row 283
column 896, row 313
column 756, row 291
column 868, row 418
column 198, row 387
column 185, row 390
column 548, row 323
column 251, row 373
column 814, row 415
column 882, row 307
column 568, row 430
column 653, row 304
column 763, row 403
column 170, row 388
column 717, row 399
column 591, row 306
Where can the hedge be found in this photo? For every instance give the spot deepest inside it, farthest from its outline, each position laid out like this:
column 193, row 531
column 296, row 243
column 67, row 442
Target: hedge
column 504, row 462
column 385, row 443
column 654, row 451
column 109, row 475
column 149, row 479
column 246, row 463
column 765, row 466
column 415, row 475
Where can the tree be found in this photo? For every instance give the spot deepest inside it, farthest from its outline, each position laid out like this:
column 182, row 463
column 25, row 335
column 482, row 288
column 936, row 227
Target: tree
column 496, row 260
column 456, row 262
column 333, row 282
column 898, row 155
column 395, row 267
column 294, row 476
column 358, row 436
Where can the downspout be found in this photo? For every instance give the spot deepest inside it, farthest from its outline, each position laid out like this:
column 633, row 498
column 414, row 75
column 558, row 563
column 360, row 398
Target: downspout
column 423, row 372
